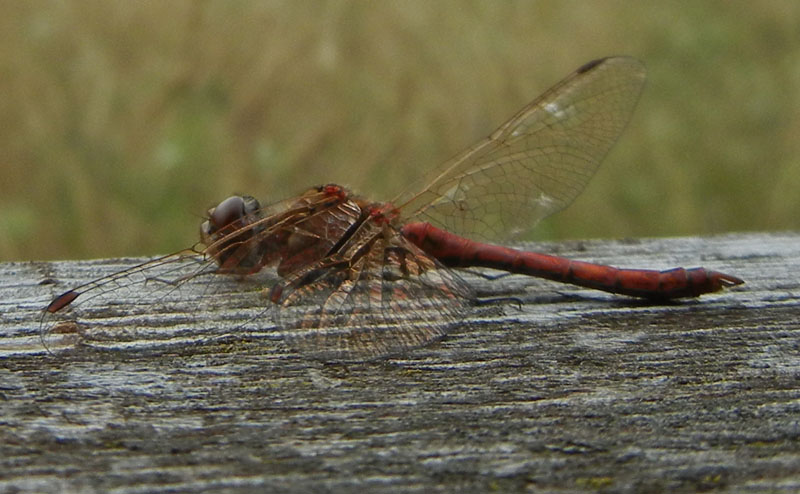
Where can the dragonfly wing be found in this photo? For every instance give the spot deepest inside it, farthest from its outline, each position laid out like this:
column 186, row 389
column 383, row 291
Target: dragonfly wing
column 165, row 285
column 539, row 161
column 379, row 296
column 189, row 284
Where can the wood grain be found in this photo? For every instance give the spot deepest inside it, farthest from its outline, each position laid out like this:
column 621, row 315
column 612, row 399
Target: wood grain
column 561, row 389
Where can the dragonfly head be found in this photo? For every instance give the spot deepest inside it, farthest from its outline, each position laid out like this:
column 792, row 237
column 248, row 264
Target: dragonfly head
column 229, row 211
column 221, row 232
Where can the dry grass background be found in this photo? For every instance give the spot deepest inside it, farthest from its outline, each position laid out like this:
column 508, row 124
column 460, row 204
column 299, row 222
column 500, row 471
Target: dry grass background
column 123, row 121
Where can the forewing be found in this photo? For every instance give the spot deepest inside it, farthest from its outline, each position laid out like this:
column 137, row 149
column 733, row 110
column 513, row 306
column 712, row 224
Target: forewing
column 112, row 310
column 539, row 161
column 380, row 296
column 187, row 285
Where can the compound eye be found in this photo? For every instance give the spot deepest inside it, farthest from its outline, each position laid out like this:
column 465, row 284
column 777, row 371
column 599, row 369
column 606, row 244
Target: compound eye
column 228, row 211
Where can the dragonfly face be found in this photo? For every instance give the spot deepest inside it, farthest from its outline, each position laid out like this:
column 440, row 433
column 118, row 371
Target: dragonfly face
column 226, row 236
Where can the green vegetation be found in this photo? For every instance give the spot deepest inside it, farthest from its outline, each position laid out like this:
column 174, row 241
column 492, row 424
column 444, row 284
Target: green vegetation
column 123, row 121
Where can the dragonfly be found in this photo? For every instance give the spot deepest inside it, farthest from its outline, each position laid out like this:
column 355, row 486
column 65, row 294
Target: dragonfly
column 360, row 280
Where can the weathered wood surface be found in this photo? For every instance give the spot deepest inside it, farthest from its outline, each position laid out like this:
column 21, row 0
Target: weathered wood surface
column 571, row 391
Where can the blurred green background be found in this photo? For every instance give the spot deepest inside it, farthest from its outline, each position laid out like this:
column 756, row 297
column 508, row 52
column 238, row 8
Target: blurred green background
column 122, row 122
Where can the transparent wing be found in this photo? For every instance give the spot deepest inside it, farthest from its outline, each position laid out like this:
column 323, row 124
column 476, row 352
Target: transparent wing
column 380, row 296
column 539, row 161
column 183, row 282
column 110, row 311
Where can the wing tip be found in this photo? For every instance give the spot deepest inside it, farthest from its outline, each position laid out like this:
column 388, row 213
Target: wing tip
column 590, row 65
column 623, row 59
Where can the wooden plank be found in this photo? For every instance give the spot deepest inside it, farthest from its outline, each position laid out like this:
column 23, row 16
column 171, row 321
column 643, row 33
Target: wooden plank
column 570, row 390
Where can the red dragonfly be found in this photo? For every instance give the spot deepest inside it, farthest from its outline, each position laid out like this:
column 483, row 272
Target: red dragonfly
column 357, row 281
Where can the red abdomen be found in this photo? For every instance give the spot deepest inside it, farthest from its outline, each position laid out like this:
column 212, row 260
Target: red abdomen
column 452, row 250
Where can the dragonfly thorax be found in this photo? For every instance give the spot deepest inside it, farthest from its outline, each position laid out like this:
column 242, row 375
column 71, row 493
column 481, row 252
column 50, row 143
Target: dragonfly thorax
column 383, row 212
